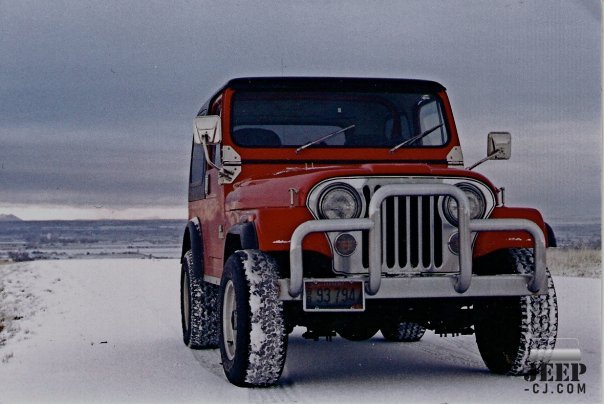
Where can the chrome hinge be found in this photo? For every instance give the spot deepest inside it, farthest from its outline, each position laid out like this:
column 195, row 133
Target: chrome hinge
column 231, row 165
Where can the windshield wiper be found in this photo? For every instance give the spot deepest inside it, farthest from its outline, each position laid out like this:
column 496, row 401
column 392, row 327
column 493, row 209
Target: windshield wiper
column 415, row 138
column 299, row 149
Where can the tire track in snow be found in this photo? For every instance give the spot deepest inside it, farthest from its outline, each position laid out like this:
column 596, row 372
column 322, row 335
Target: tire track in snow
column 210, row 361
column 461, row 350
column 281, row 393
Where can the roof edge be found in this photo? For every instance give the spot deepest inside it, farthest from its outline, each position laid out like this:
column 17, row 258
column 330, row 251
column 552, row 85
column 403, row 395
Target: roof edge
column 367, row 83
column 310, row 83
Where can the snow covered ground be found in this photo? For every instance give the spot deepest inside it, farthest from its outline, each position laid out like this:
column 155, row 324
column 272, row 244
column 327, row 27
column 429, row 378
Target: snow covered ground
column 109, row 331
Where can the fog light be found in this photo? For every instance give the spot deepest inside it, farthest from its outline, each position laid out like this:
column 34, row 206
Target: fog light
column 454, row 243
column 345, row 244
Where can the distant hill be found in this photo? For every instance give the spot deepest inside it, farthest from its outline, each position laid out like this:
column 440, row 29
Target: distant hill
column 9, row 218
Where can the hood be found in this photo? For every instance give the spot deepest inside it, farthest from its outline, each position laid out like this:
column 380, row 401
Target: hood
column 289, row 186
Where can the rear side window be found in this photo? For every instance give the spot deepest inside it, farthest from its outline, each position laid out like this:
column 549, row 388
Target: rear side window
column 197, row 173
column 198, row 164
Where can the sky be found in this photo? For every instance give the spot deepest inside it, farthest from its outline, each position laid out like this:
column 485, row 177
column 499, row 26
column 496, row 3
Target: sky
column 97, row 97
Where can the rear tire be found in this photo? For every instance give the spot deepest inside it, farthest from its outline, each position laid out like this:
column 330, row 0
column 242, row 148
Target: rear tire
column 508, row 329
column 198, row 308
column 355, row 331
column 403, row 331
column 253, row 335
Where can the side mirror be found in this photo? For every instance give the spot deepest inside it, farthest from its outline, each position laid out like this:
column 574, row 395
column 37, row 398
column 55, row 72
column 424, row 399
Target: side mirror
column 499, row 145
column 207, row 129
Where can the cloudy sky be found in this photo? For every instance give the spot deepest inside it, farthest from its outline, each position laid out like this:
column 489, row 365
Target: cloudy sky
column 97, row 97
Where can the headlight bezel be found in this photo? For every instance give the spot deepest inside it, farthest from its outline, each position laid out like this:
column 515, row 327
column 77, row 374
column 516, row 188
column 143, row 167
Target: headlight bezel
column 473, row 193
column 346, row 189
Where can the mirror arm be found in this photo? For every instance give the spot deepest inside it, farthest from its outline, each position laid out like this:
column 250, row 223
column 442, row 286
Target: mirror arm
column 207, row 154
column 479, row 162
column 222, row 172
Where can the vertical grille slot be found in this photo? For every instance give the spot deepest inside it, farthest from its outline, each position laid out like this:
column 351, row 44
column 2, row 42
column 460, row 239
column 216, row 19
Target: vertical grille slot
column 437, row 258
column 427, row 235
column 414, row 240
column 388, row 226
column 411, row 236
column 365, row 233
column 403, row 232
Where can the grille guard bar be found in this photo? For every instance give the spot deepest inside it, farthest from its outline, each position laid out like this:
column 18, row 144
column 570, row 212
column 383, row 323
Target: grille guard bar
column 373, row 223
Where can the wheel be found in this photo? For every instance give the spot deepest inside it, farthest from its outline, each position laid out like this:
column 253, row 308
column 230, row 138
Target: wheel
column 357, row 331
column 405, row 331
column 253, row 335
column 198, row 308
column 508, row 329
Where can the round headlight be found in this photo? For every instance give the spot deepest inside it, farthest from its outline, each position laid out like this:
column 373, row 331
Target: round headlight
column 477, row 203
column 339, row 201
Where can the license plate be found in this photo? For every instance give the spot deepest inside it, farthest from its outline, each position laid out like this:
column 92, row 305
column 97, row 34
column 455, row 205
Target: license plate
column 334, row 296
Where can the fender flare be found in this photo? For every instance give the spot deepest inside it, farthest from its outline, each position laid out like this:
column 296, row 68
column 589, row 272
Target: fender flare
column 247, row 235
column 551, row 236
column 487, row 242
column 193, row 240
column 241, row 236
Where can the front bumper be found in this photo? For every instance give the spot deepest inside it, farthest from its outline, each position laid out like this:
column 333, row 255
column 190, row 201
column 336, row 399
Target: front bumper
column 463, row 283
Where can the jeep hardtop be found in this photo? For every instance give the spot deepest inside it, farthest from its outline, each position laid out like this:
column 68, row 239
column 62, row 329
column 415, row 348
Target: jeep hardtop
column 343, row 205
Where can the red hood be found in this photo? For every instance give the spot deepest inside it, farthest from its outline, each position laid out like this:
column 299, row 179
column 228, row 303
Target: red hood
column 272, row 189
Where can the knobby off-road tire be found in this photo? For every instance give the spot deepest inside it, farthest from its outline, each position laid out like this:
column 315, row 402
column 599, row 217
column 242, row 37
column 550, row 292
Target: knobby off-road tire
column 198, row 308
column 252, row 335
column 357, row 331
column 403, row 331
column 507, row 329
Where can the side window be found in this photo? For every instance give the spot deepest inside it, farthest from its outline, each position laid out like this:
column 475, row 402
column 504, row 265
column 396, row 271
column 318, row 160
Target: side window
column 197, row 173
column 198, row 164
column 214, row 154
column 218, row 155
column 214, row 151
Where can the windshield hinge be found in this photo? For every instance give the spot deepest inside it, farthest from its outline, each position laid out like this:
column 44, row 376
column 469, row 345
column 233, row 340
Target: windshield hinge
column 231, row 165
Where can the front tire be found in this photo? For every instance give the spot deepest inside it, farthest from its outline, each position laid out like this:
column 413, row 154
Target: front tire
column 508, row 329
column 252, row 335
column 198, row 308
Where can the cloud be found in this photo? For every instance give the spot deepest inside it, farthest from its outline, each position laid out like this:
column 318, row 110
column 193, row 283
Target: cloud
column 97, row 98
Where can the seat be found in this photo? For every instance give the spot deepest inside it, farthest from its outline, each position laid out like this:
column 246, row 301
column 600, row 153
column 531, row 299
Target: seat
column 256, row 137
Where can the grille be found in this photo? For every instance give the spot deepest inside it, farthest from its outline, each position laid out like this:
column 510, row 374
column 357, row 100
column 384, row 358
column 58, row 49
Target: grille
column 412, row 235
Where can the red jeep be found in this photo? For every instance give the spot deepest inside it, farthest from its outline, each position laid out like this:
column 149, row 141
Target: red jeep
column 343, row 205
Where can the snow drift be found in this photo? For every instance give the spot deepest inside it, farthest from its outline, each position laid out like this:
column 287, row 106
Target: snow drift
column 109, row 331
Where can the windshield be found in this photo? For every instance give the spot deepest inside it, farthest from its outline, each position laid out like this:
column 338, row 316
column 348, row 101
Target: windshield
column 343, row 119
